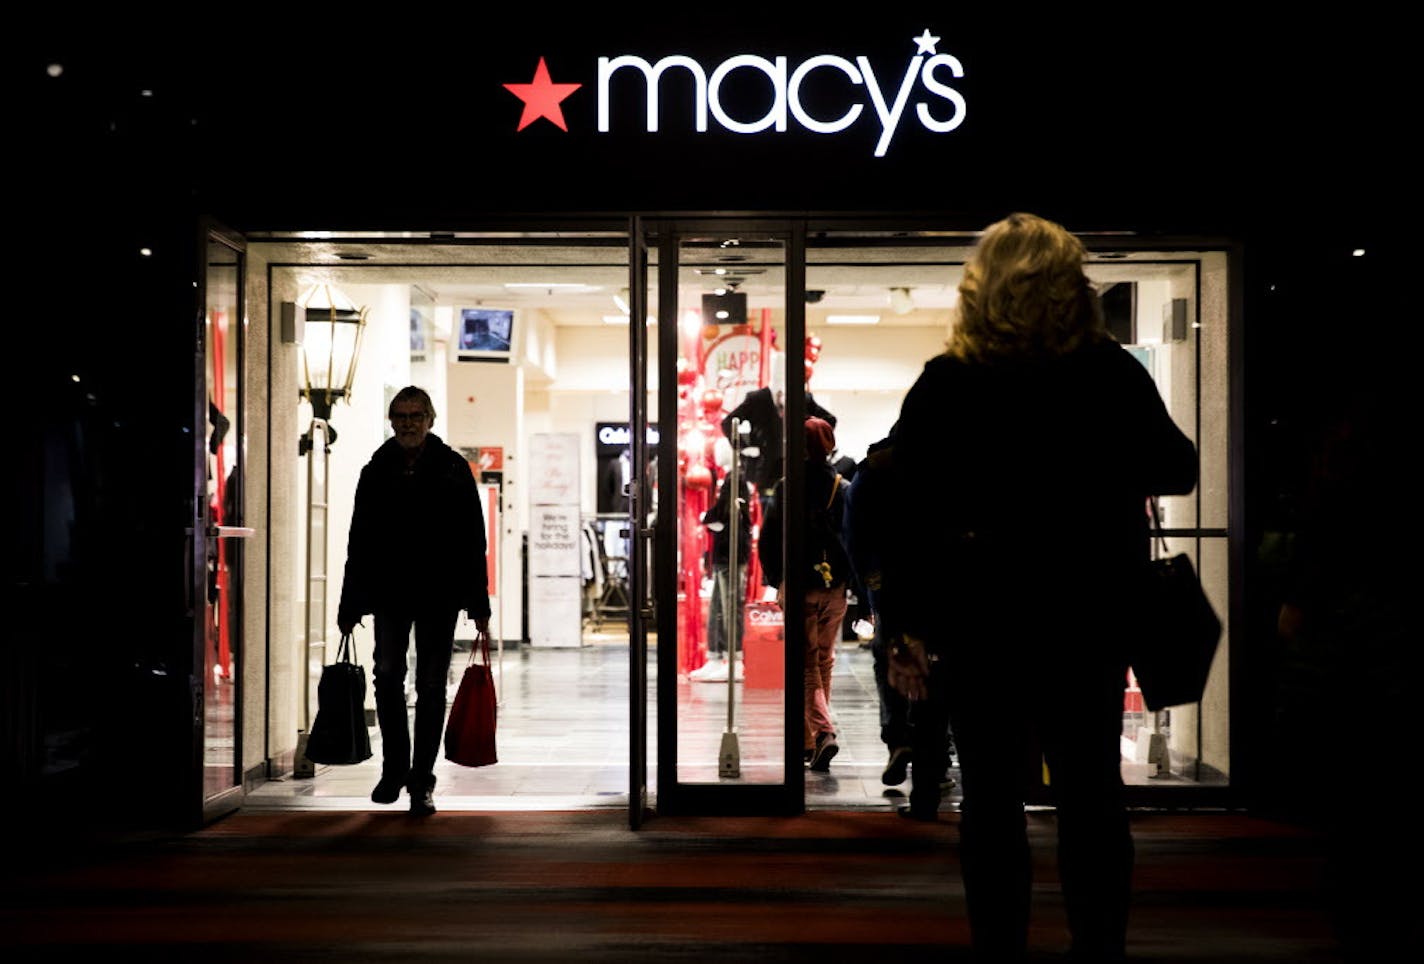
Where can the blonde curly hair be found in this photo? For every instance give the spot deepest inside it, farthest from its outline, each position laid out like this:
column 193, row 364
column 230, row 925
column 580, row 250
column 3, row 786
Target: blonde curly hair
column 1024, row 293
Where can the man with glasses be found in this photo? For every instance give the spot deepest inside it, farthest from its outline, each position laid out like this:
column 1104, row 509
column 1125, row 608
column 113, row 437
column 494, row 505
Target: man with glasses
column 415, row 557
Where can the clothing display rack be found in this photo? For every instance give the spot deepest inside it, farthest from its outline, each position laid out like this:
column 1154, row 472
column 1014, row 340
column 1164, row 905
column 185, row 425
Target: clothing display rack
column 610, row 597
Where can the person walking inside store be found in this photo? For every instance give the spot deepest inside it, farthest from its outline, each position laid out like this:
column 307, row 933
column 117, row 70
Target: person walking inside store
column 727, row 586
column 415, row 558
column 916, row 735
column 822, row 584
column 1029, row 449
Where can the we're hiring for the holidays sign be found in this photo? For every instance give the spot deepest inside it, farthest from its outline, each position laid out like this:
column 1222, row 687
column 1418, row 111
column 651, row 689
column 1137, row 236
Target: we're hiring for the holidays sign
column 825, row 93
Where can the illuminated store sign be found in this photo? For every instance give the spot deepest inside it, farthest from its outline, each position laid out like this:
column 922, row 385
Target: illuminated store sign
column 618, row 435
column 921, row 83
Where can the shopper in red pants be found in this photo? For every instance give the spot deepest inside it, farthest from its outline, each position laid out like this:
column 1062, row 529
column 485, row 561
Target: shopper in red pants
column 822, row 585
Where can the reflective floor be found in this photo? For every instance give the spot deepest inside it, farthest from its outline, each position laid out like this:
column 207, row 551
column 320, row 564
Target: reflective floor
column 563, row 739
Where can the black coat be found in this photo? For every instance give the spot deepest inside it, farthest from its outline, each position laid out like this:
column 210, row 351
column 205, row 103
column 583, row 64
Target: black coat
column 759, row 408
column 820, row 531
column 1024, row 485
column 721, row 513
column 418, row 536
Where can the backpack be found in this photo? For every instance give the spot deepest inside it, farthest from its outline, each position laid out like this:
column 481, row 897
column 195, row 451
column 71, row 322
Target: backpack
column 825, row 547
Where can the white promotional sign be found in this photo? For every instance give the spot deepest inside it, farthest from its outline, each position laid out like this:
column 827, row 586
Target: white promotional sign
column 554, row 469
column 555, row 584
column 553, row 540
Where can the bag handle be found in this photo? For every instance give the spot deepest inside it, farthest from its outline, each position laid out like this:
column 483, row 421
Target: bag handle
column 346, row 652
column 1156, row 511
column 480, row 645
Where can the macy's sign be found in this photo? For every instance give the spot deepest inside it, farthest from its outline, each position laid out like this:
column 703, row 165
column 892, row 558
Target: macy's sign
column 923, row 83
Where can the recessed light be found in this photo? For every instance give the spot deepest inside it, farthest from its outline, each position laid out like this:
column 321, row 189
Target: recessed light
column 852, row 319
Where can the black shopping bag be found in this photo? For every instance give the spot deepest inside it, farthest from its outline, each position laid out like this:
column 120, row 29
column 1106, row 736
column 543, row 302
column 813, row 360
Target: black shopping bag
column 339, row 733
column 1177, row 641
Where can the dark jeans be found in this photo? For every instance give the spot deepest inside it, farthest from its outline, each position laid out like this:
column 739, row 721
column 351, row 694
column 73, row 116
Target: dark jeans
column 716, row 617
column 1009, row 716
column 894, row 708
column 923, row 726
column 434, row 642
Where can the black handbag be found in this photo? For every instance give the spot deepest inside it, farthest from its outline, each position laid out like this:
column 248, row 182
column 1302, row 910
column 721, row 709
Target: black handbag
column 339, row 734
column 1180, row 631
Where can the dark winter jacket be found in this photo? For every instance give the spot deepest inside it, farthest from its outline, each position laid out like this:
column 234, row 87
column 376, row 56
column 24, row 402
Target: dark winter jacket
column 759, row 408
column 820, row 529
column 868, row 507
column 417, row 536
column 720, row 513
column 1024, row 485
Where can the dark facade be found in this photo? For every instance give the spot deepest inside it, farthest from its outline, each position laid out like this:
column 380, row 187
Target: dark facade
column 1273, row 140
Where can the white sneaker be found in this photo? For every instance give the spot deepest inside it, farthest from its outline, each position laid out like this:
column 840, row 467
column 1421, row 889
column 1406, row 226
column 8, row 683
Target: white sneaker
column 741, row 671
column 712, row 671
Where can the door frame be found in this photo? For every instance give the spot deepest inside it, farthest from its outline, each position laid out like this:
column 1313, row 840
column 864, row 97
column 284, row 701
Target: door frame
column 203, row 807
column 665, row 234
column 640, row 605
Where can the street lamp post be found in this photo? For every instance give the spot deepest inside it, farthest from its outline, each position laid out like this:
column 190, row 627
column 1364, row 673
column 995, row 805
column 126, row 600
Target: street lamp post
column 331, row 327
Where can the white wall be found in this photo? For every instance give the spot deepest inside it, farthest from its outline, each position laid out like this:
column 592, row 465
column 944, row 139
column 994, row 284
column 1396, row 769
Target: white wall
column 361, row 426
column 485, row 407
column 862, row 377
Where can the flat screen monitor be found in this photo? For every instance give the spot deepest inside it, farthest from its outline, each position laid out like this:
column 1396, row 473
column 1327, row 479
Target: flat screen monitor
column 485, row 334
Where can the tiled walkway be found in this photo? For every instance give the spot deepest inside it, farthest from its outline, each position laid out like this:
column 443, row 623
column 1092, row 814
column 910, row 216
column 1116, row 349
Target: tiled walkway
column 563, row 740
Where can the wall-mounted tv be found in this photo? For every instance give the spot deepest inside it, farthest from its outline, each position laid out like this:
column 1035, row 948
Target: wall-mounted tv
column 485, row 335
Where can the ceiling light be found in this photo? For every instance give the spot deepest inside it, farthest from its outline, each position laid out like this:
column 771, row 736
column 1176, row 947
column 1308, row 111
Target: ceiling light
column 852, row 319
column 620, row 298
column 1359, row 252
column 551, row 286
column 615, row 319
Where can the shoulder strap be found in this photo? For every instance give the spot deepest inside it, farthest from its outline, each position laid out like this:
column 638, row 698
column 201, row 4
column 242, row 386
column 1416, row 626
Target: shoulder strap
column 836, row 487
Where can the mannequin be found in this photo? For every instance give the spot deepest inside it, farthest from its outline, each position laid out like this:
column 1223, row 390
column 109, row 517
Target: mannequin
column 725, row 583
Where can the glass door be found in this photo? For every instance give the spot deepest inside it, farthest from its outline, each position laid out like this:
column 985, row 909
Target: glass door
column 729, row 301
column 219, row 529
column 641, row 516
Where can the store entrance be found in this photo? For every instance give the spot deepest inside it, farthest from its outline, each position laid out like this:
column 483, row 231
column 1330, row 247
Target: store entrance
column 656, row 365
column 729, row 296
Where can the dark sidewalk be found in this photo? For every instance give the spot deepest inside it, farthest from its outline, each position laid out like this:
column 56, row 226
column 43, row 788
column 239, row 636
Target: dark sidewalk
column 579, row 886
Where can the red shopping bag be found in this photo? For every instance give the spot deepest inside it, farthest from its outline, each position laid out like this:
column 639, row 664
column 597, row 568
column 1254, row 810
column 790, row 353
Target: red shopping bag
column 469, row 733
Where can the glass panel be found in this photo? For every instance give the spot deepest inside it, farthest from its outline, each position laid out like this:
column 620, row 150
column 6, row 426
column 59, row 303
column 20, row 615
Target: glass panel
column 1188, row 743
column 881, row 310
column 731, row 365
column 1151, row 303
column 222, row 640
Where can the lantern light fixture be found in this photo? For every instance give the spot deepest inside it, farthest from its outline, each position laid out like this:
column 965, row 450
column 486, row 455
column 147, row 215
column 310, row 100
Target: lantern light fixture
column 331, row 345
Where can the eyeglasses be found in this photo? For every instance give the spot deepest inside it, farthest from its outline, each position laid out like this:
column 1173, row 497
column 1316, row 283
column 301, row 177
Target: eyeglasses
column 408, row 416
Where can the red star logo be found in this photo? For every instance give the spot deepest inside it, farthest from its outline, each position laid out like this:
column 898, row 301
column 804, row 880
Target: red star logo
column 541, row 98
